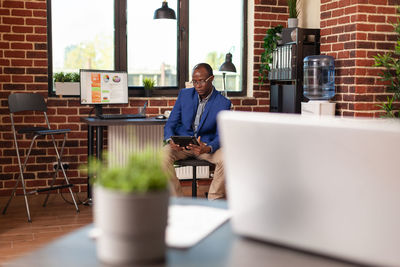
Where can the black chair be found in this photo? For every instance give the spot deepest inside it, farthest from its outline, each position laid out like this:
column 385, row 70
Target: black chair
column 22, row 102
column 194, row 163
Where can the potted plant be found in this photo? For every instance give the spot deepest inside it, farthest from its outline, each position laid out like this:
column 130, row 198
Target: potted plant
column 271, row 41
column 391, row 74
column 148, row 84
column 293, row 14
column 66, row 83
column 130, row 209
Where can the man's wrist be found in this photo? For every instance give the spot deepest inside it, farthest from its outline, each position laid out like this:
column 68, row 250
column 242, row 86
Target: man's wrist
column 166, row 141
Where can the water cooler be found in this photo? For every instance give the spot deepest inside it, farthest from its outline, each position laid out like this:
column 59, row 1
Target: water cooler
column 319, row 85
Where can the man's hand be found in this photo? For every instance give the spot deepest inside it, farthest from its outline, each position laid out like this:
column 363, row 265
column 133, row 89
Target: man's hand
column 175, row 146
column 201, row 149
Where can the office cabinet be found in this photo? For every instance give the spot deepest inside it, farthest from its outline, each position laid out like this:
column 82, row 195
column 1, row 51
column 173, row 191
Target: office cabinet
column 286, row 75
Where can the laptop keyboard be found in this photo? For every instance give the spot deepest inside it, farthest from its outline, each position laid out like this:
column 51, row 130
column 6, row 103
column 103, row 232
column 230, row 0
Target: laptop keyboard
column 121, row 116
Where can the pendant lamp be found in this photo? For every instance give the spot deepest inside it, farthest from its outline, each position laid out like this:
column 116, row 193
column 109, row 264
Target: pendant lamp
column 164, row 12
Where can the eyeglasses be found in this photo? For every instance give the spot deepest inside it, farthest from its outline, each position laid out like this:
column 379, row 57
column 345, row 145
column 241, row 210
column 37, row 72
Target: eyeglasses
column 200, row 82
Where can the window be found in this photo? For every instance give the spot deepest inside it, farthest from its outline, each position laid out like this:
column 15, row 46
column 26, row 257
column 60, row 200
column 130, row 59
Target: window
column 82, row 37
column 122, row 35
column 214, row 35
column 152, row 50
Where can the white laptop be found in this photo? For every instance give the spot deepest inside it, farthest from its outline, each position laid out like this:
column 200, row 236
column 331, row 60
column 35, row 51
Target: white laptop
column 325, row 185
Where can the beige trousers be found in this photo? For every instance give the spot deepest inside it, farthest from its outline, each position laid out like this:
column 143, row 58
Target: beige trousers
column 217, row 187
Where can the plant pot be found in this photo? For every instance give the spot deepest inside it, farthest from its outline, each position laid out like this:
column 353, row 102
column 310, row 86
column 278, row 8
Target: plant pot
column 147, row 92
column 293, row 22
column 67, row 88
column 131, row 226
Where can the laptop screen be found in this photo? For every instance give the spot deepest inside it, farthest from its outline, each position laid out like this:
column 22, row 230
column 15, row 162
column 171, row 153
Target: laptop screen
column 326, row 185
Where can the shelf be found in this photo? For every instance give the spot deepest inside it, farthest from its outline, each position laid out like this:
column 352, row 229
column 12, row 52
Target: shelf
column 286, row 75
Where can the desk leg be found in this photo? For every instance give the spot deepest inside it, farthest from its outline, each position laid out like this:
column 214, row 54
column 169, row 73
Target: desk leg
column 99, row 142
column 90, row 141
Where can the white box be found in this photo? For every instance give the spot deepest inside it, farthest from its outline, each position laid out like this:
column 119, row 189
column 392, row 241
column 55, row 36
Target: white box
column 318, row 108
column 67, row 88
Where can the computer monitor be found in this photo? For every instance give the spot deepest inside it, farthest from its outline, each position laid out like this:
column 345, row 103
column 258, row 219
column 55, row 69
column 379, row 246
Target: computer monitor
column 103, row 87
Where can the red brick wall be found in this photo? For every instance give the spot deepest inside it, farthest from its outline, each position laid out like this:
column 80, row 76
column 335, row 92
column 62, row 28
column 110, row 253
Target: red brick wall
column 353, row 31
column 23, row 67
column 267, row 14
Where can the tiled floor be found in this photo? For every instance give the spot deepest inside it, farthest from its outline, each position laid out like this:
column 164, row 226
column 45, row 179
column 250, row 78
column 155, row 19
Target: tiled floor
column 18, row 237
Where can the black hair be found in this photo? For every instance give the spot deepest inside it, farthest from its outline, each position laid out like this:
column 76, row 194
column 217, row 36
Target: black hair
column 205, row 66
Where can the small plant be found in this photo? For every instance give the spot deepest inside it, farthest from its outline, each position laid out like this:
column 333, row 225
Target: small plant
column 293, row 11
column 148, row 83
column 391, row 74
column 142, row 173
column 270, row 43
column 136, row 194
column 66, row 77
column 388, row 108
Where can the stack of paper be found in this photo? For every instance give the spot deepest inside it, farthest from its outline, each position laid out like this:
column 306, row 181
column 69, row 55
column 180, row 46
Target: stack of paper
column 188, row 224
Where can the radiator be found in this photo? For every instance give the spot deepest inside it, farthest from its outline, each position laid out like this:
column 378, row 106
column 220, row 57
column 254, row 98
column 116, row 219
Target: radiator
column 187, row 172
column 126, row 139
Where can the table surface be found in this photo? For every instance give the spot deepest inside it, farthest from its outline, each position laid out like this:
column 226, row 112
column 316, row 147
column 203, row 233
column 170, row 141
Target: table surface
column 94, row 121
column 220, row 248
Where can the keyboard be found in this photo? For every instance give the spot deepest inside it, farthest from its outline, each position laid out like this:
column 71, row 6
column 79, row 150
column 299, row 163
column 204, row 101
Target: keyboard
column 121, row 116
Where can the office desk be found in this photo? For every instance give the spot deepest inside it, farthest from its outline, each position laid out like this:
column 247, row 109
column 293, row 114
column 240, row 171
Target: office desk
column 221, row 248
column 124, row 137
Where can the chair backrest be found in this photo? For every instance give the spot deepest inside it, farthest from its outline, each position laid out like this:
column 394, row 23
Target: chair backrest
column 26, row 102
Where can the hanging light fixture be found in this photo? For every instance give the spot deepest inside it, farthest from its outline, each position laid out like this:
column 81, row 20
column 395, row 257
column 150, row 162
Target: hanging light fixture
column 164, row 12
column 227, row 66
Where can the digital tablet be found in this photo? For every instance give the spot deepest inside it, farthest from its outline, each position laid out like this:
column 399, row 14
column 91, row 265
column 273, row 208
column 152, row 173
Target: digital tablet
column 184, row 141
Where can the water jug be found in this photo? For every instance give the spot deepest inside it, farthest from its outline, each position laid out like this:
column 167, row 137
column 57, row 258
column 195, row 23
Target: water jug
column 319, row 77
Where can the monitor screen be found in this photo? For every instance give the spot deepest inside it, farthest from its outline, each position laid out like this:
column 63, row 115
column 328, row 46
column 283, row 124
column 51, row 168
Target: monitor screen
column 104, row 87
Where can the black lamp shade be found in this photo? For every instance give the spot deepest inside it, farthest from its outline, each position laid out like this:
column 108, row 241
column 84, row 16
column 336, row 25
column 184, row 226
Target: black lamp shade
column 228, row 66
column 164, row 12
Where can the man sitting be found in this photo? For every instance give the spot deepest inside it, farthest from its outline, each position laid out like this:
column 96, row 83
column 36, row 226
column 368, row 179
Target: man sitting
column 195, row 114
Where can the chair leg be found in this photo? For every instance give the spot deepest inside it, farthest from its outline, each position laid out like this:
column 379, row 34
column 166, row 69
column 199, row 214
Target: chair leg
column 55, row 174
column 23, row 180
column 60, row 164
column 51, row 185
column 194, row 182
column 12, row 195
column 21, row 177
column 26, row 200
column 25, row 197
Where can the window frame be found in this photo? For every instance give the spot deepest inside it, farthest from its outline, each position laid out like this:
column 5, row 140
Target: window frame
column 120, row 49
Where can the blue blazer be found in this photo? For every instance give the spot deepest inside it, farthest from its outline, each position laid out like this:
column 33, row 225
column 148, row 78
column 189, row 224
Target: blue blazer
column 180, row 121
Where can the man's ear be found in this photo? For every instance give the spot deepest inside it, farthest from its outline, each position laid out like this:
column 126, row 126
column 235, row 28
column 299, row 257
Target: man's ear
column 211, row 78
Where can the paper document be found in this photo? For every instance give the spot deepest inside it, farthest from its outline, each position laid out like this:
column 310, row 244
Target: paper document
column 188, row 224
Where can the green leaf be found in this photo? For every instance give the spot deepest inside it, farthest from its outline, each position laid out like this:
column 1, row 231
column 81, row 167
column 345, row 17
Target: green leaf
column 66, row 77
column 270, row 43
column 141, row 173
column 148, row 83
column 390, row 72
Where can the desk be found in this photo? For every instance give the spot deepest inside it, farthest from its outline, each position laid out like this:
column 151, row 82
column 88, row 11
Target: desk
column 221, row 248
column 124, row 137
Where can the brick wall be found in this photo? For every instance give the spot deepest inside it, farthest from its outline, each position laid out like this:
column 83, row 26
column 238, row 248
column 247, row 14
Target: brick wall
column 353, row 32
column 23, row 67
column 267, row 14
